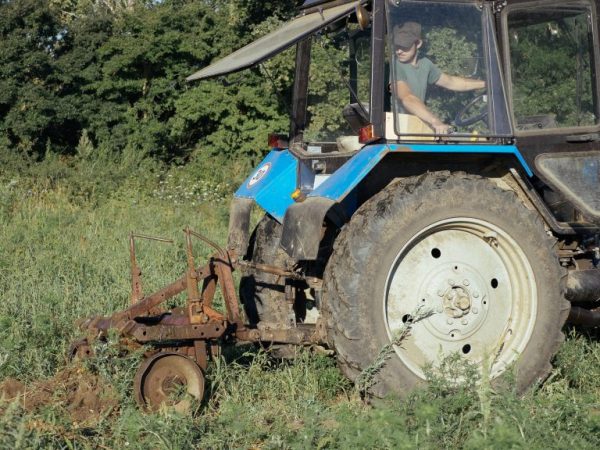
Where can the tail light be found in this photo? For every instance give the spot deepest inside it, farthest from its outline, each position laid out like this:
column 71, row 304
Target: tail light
column 367, row 134
column 278, row 140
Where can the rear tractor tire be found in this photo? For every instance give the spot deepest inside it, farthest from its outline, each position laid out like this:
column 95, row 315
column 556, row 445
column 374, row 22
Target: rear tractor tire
column 474, row 265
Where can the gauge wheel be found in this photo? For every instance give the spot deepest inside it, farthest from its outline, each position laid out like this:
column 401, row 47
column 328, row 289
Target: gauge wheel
column 168, row 379
column 461, row 263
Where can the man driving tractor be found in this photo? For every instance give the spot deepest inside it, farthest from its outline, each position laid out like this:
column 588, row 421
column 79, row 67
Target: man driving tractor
column 414, row 75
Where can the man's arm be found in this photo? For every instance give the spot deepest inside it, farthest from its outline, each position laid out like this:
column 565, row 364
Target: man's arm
column 415, row 106
column 459, row 84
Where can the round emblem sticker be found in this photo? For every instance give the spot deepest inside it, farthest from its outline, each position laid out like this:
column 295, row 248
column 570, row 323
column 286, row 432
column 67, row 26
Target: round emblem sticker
column 259, row 174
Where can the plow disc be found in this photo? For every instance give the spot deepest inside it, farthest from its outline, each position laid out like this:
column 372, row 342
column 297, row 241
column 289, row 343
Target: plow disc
column 168, row 379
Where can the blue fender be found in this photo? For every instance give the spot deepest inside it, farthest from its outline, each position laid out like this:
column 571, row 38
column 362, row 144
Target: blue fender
column 271, row 184
column 273, row 181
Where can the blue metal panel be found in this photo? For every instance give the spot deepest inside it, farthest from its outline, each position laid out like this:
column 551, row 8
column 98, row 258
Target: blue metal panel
column 470, row 148
column 341, row 183
column 272, row 183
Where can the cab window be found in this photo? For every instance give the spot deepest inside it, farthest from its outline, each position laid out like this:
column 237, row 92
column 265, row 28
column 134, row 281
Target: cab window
column 551, row 66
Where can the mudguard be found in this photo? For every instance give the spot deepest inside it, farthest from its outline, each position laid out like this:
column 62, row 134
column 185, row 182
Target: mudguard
column 273, row 181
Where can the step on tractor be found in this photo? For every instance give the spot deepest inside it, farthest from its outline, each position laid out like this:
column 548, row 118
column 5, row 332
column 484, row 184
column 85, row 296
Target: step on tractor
column 437, row 195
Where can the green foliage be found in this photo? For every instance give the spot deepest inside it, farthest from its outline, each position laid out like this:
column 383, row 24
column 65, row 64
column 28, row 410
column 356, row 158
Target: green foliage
column 116, row 70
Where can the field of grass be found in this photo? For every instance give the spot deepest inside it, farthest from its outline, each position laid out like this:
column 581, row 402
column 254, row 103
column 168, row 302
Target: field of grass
column 64, row 255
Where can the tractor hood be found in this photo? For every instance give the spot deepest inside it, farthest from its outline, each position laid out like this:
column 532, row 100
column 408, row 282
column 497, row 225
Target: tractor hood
column 275, row 42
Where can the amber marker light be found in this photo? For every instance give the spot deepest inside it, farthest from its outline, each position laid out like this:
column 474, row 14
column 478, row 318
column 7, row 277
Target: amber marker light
column 367, row 134
column 298, row 196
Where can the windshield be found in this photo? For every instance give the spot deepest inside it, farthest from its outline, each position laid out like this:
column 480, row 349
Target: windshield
column 437, row 71
column 339, row 85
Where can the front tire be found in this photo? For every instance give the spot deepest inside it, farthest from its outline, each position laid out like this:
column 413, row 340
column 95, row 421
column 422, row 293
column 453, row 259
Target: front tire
column 262, row 293
column 461, row 249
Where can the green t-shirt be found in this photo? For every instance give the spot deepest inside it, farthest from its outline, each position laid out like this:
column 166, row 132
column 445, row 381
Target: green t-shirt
column 418, row 77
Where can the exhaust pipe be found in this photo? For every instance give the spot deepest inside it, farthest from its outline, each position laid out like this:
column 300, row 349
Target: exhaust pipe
column 582, row 316
column 583, row 286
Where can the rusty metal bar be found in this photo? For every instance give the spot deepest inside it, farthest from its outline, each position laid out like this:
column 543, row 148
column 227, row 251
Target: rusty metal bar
column 302, row 334
column 136, row 274
column 222, row 252
column 162, row 333
column 209, row 288
column 149, row 302
column 270, row 269
column 194, row 301
column 223, row 270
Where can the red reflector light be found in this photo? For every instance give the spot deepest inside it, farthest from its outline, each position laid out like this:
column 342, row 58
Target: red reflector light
column 367, row 134
column 278, row 140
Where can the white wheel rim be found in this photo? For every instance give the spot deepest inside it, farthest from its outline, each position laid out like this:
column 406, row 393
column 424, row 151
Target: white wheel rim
column 477, row 284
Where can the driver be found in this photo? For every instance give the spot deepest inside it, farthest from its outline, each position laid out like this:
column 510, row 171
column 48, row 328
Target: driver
column 414, row 75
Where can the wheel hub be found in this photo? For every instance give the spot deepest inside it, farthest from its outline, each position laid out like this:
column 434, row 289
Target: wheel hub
column 455, row 292
column 471, row 289
column 457, row 302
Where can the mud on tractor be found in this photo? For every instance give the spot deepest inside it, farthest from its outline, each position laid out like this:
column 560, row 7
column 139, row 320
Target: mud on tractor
column 471, row 219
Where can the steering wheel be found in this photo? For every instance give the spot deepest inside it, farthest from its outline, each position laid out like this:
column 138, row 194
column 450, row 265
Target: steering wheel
column 461, row 121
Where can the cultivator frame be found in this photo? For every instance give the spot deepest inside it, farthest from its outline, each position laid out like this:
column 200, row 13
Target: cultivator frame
column 195, row 331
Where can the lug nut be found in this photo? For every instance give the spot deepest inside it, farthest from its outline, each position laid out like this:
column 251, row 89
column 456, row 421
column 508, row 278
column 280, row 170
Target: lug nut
column 464, row 321
column 449, row 321
column 451, row 283
column 440, row 293
column 476, row 294
column 466, row 282
column 474, row 310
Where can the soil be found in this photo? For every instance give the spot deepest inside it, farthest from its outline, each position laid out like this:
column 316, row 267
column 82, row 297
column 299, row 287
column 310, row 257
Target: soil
column 86, row 396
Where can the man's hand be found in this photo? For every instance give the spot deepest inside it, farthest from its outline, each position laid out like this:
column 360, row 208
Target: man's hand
column 441, row 128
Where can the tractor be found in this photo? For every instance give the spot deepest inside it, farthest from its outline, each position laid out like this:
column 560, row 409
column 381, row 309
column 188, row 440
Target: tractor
column 467, row 225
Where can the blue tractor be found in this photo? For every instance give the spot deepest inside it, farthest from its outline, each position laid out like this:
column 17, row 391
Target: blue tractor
column 437, row 194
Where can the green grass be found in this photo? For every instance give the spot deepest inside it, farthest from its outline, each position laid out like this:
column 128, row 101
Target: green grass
column 64, row 255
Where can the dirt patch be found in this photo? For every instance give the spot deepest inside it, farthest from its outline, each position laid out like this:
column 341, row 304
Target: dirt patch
column 10, row 389
column 86, row 396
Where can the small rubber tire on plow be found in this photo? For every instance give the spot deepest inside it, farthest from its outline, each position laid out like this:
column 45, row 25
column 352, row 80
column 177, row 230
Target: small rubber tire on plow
column 169, row 379
column 80, row 349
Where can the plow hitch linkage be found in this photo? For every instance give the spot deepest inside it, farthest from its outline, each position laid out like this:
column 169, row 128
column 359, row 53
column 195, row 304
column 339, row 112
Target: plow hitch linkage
column 184, row 338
